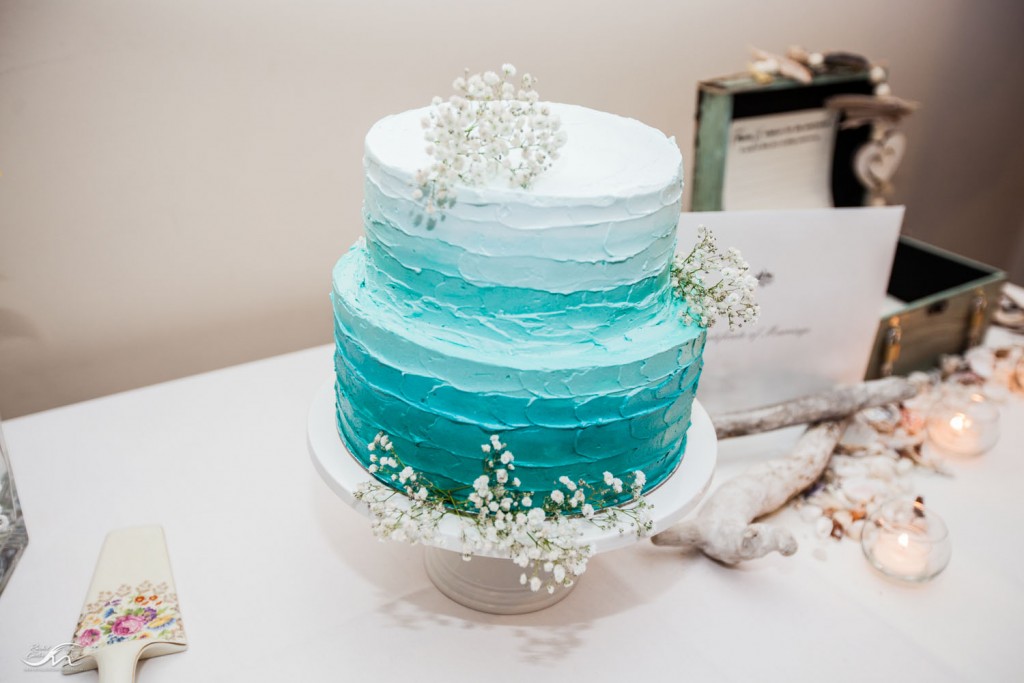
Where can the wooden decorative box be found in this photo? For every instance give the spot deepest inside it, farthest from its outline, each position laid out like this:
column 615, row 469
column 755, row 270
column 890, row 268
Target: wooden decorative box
column 728, row 100
column 942, row 303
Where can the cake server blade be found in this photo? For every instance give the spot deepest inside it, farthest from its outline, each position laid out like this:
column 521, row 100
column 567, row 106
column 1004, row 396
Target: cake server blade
column 131, row 610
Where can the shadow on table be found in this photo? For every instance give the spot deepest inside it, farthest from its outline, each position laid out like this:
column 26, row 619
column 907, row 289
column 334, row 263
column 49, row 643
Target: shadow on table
column 615, row 582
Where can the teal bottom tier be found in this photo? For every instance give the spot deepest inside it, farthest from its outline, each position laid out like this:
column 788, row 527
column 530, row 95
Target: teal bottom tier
column 618, row 403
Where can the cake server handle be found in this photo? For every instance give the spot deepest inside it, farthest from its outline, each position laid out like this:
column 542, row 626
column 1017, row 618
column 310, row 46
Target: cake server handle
column 117, row 664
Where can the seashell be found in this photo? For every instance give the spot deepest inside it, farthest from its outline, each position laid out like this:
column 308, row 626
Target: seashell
column 848, row 469
column 912, row 419
column 891, row 454
column 924, row 381
column 902, row 439
column 904, row 465
column 1002, row 377
column 857, row 437
column 809, row 513
column 877, row 448
column 798, row 54
column 823, row 527
column 981, row 360
column 882, row 419
column 1008, row 314
column 846, row 60
column 1018, row 376
column 855, row 529
column 997, row 392
column 843, row 517
column 863, row 489
column 965, row 378
column 881, row 467
column 827, row 499
column 785, row 66
column 950, row 364
column 878, row 74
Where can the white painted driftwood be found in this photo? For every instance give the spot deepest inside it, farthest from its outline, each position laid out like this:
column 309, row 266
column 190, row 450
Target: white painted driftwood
column 828, row 405
column 724, row 528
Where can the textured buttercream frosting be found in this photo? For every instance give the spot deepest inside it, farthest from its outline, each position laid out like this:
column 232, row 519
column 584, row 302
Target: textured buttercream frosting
column 543, row 315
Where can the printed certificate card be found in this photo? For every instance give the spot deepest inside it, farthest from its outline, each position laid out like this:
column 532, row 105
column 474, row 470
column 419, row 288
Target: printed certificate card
column 780, row 161
column 822, row 277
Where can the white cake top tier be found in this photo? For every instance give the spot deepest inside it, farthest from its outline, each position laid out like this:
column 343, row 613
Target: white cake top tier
column 605, row 156
column 603, row 216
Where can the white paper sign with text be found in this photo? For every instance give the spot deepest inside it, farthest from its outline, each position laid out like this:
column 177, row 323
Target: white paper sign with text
column 780, row 161
column 822, row 277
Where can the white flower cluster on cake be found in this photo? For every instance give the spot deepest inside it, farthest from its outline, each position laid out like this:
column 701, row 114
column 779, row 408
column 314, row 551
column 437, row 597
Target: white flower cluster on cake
column 544, row 537
column 714, row 284
column 490, row 127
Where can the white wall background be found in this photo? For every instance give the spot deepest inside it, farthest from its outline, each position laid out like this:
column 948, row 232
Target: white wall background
column 179, row 176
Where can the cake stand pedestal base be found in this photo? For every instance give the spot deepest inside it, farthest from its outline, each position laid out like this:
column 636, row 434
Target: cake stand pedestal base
column 491, row 584
column 486, row 584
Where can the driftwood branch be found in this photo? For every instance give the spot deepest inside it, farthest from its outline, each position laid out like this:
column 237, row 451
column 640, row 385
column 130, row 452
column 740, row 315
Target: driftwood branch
column 829, row 405
column 724, row 529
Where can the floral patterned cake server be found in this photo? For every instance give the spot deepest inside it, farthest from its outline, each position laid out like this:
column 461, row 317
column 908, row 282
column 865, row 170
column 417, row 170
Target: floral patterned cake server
column 131, row 610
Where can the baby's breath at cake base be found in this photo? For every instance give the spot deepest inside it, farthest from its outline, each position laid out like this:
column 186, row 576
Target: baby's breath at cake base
column 543, row 536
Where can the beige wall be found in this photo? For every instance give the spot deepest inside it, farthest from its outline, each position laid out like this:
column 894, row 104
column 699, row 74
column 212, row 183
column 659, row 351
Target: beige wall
column 179, row 176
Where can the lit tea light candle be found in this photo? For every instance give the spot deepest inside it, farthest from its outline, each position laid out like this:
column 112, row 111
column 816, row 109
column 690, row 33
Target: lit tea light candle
column 967, row 425
column 903, row 551
column 905, row 541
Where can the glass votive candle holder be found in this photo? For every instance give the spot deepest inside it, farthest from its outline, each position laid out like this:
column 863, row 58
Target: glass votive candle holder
column 965, row 423
column 906, row 541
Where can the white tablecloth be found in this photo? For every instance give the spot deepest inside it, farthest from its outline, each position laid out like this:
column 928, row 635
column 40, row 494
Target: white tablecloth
column 279, row 580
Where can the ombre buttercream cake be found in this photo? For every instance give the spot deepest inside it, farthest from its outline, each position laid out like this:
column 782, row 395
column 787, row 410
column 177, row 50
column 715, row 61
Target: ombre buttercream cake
column 543, row 315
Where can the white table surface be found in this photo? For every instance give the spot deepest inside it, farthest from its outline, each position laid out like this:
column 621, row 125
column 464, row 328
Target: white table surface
column 280, row 580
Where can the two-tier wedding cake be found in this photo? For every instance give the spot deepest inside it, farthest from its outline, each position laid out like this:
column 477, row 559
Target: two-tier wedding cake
column 544, row 314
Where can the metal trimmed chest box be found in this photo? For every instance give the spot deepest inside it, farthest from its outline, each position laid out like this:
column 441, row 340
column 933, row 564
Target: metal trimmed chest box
column 946, row 300
column 947, row 304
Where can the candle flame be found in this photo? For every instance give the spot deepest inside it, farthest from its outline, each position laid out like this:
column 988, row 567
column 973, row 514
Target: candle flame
column 903, row 540
column 959, row 422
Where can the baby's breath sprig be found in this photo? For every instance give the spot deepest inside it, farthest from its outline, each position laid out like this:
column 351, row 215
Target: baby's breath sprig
column 416, row 523
column 542, row 536
column 490, row 127
column 714, row 284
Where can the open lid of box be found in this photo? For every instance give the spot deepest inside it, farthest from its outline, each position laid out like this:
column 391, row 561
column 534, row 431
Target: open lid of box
column 923, row 274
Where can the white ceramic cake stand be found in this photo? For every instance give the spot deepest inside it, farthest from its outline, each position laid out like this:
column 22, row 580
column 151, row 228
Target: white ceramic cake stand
column 491, row 584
